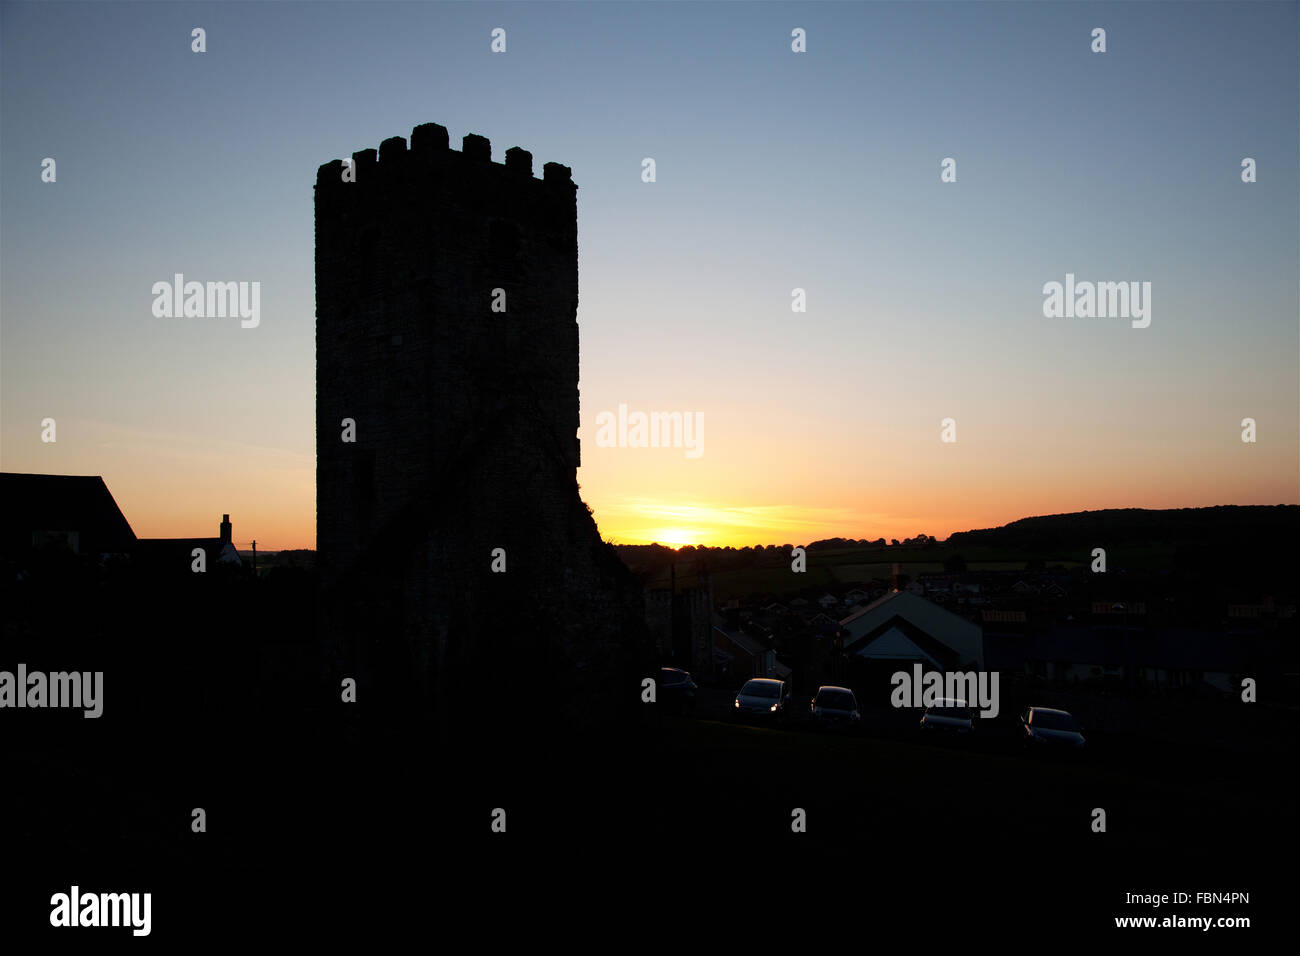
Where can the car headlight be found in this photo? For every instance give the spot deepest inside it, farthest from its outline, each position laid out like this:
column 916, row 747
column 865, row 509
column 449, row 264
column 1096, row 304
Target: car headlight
column 773, row 708
column 736, row 702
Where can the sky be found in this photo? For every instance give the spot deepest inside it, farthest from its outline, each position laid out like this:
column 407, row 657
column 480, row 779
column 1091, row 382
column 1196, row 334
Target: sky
column 774, row 171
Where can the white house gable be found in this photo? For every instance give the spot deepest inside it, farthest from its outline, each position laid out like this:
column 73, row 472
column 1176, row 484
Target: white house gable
column 893, row 644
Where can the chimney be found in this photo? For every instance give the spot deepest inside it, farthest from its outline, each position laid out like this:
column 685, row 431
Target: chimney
column 225, row 529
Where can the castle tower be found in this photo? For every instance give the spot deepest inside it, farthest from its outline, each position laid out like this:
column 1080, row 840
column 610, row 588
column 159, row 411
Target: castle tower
column 446, row 417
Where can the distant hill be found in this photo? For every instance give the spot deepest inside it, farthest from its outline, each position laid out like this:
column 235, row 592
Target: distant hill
column 1225, row 529
column 1256, row 544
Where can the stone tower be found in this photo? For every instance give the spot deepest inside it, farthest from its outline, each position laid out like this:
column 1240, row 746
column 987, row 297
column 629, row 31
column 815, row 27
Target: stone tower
column 447, row 343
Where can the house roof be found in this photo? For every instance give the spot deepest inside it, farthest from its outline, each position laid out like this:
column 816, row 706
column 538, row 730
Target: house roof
column 897, row 638
column 870, row 607
column 61, row 503
column 918, row 610
column 924, row 620
column 742, row 640
column 177, row 554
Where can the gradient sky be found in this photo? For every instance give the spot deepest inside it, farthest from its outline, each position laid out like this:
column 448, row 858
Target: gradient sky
column 775, row 170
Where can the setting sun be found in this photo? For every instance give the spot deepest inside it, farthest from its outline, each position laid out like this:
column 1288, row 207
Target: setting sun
column 677, row 537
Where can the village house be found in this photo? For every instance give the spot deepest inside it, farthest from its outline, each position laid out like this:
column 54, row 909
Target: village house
column 901, row 629
column 73, row 514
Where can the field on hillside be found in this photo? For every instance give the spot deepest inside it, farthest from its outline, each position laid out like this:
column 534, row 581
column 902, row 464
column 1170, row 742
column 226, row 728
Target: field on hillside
column 833, row 569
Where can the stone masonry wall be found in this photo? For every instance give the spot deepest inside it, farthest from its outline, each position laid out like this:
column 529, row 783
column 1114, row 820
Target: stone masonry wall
column 465, row 436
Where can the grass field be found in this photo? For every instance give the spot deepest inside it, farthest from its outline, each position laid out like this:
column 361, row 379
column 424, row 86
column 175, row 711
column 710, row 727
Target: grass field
column 831, row 570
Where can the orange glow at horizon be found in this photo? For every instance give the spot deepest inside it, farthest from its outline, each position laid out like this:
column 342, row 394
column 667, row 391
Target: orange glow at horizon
column 767, row 487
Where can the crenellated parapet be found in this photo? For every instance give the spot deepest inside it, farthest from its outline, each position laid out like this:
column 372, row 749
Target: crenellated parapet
column 429, row 153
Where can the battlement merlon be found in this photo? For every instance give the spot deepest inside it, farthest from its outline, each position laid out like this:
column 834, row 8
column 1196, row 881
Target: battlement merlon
column 429, row 149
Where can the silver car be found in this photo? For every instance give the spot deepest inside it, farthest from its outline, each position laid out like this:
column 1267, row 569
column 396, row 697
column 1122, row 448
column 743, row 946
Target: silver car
column 948, row 714
column 762, row 697
column 835, row 707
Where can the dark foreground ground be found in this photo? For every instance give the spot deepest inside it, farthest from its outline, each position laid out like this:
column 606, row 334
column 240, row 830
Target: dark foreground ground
column 680, row 829
column 330, row 823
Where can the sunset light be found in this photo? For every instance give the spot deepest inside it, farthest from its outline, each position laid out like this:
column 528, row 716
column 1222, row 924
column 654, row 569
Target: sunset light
column 546, row 469
column 676, row 537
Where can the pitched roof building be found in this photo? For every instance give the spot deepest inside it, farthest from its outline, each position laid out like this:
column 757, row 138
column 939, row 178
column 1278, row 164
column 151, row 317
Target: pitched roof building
column 177, row 554
column 73, row 512
column 77, row 513
column 905, row 628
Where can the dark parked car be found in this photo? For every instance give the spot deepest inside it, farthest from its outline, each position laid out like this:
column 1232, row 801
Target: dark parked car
column 763, row 697
column 676, row 692
column 1044, row 727
column 834, row 707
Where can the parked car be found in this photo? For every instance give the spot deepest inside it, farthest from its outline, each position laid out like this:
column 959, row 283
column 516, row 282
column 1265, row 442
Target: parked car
column 1044, row 727
column 763, row 697
column 676, row 693
column 947, row 715
column 834, row 706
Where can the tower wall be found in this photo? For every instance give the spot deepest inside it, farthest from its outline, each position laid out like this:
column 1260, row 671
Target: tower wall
column 465, row 428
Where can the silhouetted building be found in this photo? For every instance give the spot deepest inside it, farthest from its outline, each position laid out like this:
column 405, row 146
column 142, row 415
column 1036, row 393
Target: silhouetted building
column 900, row 630
column 177, row 555
column 67, row 513
column 680, row 622
column 446, row 421
column 739, row 656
